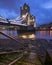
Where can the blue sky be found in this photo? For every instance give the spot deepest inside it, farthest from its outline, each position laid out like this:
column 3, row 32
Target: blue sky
column 41, row 9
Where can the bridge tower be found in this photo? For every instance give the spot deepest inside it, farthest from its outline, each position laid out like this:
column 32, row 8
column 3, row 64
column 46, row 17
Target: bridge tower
column 28, row 19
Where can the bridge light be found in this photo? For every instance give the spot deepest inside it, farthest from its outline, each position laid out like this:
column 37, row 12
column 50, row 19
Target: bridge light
column 25, row 7
column 51, row 27
column 3, row 28
column 32, row 36
column 33, row 20
column 23, row 16
column 24, row 36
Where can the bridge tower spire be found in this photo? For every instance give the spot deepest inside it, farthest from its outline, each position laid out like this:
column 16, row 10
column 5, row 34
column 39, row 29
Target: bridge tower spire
column 28, row 19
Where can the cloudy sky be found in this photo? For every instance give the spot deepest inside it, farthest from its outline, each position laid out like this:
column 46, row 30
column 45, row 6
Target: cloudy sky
column 41, row 9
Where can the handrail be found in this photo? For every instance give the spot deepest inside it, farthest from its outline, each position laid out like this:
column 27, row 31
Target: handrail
column 11, row 38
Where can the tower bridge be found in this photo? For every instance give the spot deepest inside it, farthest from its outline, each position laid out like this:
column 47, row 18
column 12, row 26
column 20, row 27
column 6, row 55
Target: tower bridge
column 4, row 22
column 25, row 18
column 14, row 22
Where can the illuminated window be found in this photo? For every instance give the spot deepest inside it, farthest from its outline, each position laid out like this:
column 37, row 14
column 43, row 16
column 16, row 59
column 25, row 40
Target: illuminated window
column 25, row 7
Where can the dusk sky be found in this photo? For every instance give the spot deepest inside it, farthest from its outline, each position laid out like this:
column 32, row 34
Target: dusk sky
column 41, row 9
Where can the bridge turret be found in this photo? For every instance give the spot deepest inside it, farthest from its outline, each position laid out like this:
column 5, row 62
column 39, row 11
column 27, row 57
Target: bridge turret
column 25, row 9
column 28, row 19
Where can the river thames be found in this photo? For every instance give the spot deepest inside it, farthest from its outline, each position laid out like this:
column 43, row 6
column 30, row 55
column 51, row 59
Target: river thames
column 32, row 35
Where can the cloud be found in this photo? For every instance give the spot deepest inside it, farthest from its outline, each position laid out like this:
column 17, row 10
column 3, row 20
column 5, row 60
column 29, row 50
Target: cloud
column 10, row 8
column 47, row 5
column 7, row 13
column 12, row 4
column 41, row 9
column 37, row 9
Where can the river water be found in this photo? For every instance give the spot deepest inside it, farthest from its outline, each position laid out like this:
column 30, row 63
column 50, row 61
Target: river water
column 31, row 35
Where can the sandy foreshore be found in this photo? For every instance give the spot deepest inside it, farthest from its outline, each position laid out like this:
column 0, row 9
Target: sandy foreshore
column 8, row 43
column 39, row 46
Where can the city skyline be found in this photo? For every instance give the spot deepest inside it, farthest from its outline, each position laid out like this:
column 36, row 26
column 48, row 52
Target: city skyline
column 41, row 9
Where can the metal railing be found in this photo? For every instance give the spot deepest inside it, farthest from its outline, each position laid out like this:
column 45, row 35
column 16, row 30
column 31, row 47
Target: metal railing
column 11, row 38
column 15, row 40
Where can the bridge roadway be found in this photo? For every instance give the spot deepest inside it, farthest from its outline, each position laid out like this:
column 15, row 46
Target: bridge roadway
column 11, row 24
column 23, row 25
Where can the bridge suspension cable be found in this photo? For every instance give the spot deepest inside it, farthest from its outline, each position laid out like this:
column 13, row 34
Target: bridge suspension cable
column 2, row 17
column 20, row 18
column 16, row 19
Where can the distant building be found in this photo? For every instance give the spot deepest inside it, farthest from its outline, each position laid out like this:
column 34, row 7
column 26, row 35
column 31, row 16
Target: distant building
column 27, row 18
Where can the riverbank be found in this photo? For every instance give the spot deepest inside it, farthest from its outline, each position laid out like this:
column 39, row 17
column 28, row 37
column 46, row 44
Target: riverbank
column 6, row 44
column 34, row 41
column 38, row 46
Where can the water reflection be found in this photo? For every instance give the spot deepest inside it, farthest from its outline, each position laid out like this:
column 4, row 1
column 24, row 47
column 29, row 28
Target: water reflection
column 11, row 33
column 28, row 35
column 37, row 34
column 44, row 34
column 51, row 33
